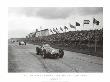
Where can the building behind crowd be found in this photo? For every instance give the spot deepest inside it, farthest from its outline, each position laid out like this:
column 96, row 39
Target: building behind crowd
column 44, row 32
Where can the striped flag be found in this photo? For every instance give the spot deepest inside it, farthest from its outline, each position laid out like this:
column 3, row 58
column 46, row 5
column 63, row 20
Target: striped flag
column 86, row 22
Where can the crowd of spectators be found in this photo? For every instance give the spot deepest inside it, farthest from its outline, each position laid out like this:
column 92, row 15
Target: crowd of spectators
column 81, row 39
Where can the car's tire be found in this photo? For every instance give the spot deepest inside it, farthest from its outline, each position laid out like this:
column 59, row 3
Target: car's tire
column 61, row 53
column 44, row 54
column 37, row 51
column 56, row 57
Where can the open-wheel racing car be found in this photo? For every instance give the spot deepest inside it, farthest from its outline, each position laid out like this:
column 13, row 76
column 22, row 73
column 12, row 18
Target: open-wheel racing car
column 47, row 51
column 22, row 43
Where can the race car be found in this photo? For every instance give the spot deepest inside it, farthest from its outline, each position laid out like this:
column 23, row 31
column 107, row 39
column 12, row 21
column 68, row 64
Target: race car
column 22, row 43
column 47, row 51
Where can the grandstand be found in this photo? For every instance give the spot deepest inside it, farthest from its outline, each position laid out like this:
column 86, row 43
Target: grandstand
column 85, row 40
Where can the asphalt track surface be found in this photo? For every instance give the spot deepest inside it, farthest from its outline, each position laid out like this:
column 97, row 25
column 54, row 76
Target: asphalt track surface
column 23, row 59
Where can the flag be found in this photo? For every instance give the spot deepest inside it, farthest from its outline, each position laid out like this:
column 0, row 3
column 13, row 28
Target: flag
column 54, row 30
column 51, row 31
column 95, row 21
column 61, row 29
column 65, row 27
column 57, row 30
column 72, row 26
column 77, row 24
column 86, row 22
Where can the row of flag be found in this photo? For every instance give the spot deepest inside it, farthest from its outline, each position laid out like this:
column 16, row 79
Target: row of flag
column 72, row 26
column 94, row 21
column 65, row 28
column 55, row 30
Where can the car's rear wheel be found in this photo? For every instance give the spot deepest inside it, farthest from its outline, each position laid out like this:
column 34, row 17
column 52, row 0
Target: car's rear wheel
column 61, row 53
column 37, row 50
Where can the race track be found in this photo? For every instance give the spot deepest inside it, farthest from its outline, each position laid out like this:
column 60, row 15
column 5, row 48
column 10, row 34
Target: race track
column 23, row 58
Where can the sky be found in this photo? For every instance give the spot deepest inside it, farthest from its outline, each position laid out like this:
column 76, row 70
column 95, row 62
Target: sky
column 24, row 20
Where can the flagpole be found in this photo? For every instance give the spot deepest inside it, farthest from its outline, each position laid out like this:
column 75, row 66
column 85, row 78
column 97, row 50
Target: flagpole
column 95, row 37
column 40, row 35
column 75, row 26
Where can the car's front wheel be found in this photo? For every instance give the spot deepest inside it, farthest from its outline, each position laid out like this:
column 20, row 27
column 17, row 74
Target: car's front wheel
column 61, row 53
